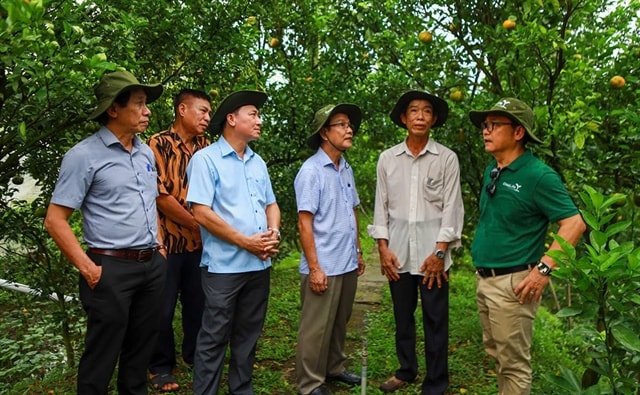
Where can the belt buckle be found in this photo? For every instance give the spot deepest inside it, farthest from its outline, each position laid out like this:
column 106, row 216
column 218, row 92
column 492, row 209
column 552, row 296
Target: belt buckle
column 141, row 254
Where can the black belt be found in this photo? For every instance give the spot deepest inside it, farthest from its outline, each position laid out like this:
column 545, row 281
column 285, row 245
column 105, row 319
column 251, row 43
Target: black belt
column 134, row 255
column 487, row 272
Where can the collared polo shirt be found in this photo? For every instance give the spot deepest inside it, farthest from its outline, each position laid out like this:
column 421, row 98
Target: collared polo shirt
column 114, row 189
column 513, row 223
column 418, row 203
column 330, row 194
column 238, row 190
column 172, row 157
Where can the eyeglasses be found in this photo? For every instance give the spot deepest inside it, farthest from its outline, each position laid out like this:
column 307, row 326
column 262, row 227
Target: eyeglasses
column 494, row 174
column 491, row 125
column 343, row 125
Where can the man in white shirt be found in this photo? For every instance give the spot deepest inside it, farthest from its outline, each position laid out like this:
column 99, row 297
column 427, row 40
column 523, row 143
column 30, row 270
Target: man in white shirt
column 418, row 218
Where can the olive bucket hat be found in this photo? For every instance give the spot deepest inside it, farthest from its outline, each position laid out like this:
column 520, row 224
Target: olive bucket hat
column 233, row 102
column 440, row 107
column 113, row 84
column 513, row 109
column 325, row 113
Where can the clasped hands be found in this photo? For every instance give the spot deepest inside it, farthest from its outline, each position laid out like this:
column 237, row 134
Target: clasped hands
column 264, row 245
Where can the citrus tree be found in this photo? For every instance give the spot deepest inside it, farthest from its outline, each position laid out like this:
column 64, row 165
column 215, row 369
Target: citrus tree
column 574, row 61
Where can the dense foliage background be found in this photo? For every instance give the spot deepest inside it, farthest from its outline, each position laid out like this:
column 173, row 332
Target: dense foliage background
column 557, row 55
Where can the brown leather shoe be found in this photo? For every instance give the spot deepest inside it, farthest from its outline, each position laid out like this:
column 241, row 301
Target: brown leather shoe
column 394, row 384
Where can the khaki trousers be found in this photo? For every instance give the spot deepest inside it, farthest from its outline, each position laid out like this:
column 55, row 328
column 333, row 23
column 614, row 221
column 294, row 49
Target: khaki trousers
column 507, row 331
column 323, row 330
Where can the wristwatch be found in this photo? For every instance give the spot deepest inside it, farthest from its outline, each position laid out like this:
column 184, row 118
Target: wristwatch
column 439, row 254
column 543, row 268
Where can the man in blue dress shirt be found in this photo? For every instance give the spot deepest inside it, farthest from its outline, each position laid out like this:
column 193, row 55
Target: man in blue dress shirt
column 232, row 199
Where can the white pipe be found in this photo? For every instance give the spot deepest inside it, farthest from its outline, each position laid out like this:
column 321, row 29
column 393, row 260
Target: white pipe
column 28, row 290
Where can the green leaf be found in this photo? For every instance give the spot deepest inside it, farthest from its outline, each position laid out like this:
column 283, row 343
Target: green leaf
column 616, row 228
column 568, row 312
column 567, row 381
column 627, row 337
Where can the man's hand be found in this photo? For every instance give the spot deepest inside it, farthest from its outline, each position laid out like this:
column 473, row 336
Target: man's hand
column 361, row 265
column 318, row 281
column 530, row 289
column 433, row 269
column 263, row 245
column 389, row 263
column 92, row 275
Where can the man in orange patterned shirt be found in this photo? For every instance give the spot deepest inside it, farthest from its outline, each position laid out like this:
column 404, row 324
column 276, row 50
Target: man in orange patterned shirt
column 173, row 149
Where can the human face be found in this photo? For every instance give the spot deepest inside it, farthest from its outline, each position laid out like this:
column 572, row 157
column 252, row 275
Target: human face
column 247, row 122
column 196, row 114
column 504, row 135
column 339, row 132
column 134, row 116
column 419, row 117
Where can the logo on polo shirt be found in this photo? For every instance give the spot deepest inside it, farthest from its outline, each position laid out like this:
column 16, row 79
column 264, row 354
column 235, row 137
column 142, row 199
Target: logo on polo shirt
column 516, row 187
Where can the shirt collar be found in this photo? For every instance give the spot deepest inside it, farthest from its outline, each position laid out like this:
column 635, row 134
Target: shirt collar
column 326, row 161
column 227, row 149
column 519, row 162
column 108, row 138
column 431, row 147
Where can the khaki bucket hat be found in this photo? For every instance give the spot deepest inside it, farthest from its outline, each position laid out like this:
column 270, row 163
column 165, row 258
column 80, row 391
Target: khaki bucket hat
column 513, row 109
column 325, row 113
column 113, row 84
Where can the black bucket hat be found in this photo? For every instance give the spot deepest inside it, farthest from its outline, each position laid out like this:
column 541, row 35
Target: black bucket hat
column 113, row 84
column 233, row 102
column 325, row 113
column 513, row 109
column 440, row 107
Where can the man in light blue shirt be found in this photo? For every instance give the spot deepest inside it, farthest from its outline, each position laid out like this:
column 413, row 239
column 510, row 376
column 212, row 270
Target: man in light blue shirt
column 232, row 199
column 332, row 259
column 111, row 178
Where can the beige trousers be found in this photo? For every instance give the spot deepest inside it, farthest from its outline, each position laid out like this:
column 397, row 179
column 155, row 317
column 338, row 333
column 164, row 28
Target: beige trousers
column 507, row 331
column 323, row 330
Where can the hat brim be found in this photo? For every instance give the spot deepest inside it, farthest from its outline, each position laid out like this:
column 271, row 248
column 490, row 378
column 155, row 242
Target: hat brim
column 477, row 117
column 440, row 107
column 355, row 118
column 232, row 103
column 153, row 92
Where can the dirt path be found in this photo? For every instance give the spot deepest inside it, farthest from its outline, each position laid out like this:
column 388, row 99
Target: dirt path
column 369, row 293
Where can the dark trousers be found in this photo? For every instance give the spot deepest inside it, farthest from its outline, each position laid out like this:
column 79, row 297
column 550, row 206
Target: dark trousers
column 234, row 313
column 435, row 321
column 122, row 323
column 182, row 279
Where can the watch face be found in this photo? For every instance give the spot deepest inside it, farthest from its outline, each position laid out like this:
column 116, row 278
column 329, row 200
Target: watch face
column 543, row 268
column 440, row 254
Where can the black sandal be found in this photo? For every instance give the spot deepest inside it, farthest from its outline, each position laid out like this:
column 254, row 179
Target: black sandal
column 158, row 382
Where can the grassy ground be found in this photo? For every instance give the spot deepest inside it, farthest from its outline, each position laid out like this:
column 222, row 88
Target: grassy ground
column 274, row 373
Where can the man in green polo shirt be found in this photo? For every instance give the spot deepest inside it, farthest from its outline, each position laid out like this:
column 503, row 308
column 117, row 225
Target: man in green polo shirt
column 520, row 197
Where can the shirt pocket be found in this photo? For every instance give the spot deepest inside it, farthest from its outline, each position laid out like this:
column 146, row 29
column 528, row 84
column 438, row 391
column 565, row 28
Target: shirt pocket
column 432, row 190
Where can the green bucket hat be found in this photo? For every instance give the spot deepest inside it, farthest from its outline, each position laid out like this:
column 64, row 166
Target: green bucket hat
column 513, row 109
column 233, row 102
column 113, row 84
column 322, row 116
column 440, row 107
